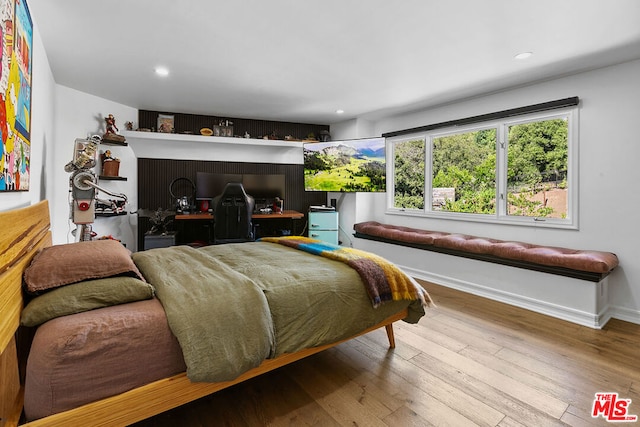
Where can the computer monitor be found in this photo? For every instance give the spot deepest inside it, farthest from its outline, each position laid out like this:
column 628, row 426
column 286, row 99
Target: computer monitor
column 263, row 188
column 210, row 185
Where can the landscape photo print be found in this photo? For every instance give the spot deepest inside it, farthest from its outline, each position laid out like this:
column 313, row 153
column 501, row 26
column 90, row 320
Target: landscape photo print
column 356, row 165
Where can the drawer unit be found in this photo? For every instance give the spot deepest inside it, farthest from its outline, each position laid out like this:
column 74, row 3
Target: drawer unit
column 324, row 226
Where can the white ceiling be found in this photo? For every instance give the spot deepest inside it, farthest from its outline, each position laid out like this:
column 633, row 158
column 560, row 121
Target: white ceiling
column 300, row 61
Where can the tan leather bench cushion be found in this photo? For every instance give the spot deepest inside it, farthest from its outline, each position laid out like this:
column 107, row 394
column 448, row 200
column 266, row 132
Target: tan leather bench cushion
column 581, row 260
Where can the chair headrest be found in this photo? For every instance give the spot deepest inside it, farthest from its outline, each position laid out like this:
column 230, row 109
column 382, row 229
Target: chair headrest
column 234, row 189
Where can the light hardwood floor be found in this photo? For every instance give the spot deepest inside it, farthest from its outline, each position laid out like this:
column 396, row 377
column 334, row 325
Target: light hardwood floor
column 470, row 361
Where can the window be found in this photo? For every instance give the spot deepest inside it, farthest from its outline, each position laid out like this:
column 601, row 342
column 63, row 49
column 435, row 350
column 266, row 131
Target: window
column 464, row 169
column 408, row 165
column 520, row 171
column 537, row 165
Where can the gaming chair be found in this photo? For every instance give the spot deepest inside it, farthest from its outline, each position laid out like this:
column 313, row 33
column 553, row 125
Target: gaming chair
column 232, row 215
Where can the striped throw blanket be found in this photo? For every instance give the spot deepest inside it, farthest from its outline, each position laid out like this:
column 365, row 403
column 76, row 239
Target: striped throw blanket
column 383, row 280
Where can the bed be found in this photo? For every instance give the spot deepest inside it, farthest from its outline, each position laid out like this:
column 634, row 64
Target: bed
column 167, row 326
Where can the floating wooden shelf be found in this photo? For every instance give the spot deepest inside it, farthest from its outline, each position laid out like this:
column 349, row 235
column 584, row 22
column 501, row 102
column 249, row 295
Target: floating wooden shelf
column 110, row 142
column 112, row 178
column 104, row 214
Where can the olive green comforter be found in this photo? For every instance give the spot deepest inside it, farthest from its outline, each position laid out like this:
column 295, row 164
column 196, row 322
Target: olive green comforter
column 232, row 306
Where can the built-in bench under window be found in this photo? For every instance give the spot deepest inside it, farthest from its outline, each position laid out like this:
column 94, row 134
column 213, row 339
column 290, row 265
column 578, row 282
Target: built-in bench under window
column 580, row 264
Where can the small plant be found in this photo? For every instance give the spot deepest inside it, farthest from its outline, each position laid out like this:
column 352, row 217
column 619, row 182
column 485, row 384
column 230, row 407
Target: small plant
column 160, row 220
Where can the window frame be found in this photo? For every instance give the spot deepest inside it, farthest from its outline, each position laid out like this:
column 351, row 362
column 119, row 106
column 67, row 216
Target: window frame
column 502, row 125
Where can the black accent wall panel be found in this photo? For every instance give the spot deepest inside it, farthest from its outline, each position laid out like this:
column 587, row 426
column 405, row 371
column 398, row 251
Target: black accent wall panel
column 156, row 175
column 192, row 123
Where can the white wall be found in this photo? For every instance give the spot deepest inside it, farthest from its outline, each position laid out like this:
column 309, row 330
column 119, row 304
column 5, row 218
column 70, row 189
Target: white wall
column 79, row 115
column 42, row 132
column 58, row 116
column 608, row 169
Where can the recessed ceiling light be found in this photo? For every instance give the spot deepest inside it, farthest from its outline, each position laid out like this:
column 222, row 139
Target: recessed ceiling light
column 523, row 55
column 339, row 111
column 162, row 71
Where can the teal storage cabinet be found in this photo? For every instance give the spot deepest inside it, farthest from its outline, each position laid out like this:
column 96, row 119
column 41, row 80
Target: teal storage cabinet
column 324, row 226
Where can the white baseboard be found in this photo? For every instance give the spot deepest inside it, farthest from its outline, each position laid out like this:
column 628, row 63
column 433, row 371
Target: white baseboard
column 558, row 311
column 624, row 313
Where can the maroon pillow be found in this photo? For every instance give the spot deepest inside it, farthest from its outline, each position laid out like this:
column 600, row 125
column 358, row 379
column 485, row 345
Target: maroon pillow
column 61, row 265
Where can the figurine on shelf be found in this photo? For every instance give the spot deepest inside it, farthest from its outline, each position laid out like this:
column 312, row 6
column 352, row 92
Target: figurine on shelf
column 110, row 164
column 108, row 156
column 111, row 132
column 111, row 124
column 128, row 125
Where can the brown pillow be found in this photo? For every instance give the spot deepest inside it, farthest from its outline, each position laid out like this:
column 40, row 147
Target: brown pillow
column 74, row 262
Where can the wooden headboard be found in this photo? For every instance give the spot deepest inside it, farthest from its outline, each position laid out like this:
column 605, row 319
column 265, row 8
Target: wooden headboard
column 24, row 232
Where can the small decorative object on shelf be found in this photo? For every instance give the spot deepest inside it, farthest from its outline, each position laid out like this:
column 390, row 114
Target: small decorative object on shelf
column 110, row 207
column 110, row 164
column 128, row 125
column 325, row 136
column 111, row 134
column 272, row 136
column 311, row 137
column 166, row 123
column 224, row 128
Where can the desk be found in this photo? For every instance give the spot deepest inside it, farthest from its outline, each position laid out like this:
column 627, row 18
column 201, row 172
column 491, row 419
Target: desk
column 198, row 227
column 204, row 215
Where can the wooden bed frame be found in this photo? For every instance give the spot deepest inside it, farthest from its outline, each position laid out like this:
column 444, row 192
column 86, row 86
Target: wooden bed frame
column 25, row 231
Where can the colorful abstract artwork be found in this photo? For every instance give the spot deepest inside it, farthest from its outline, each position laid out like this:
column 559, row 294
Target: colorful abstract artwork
column 16, row 35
